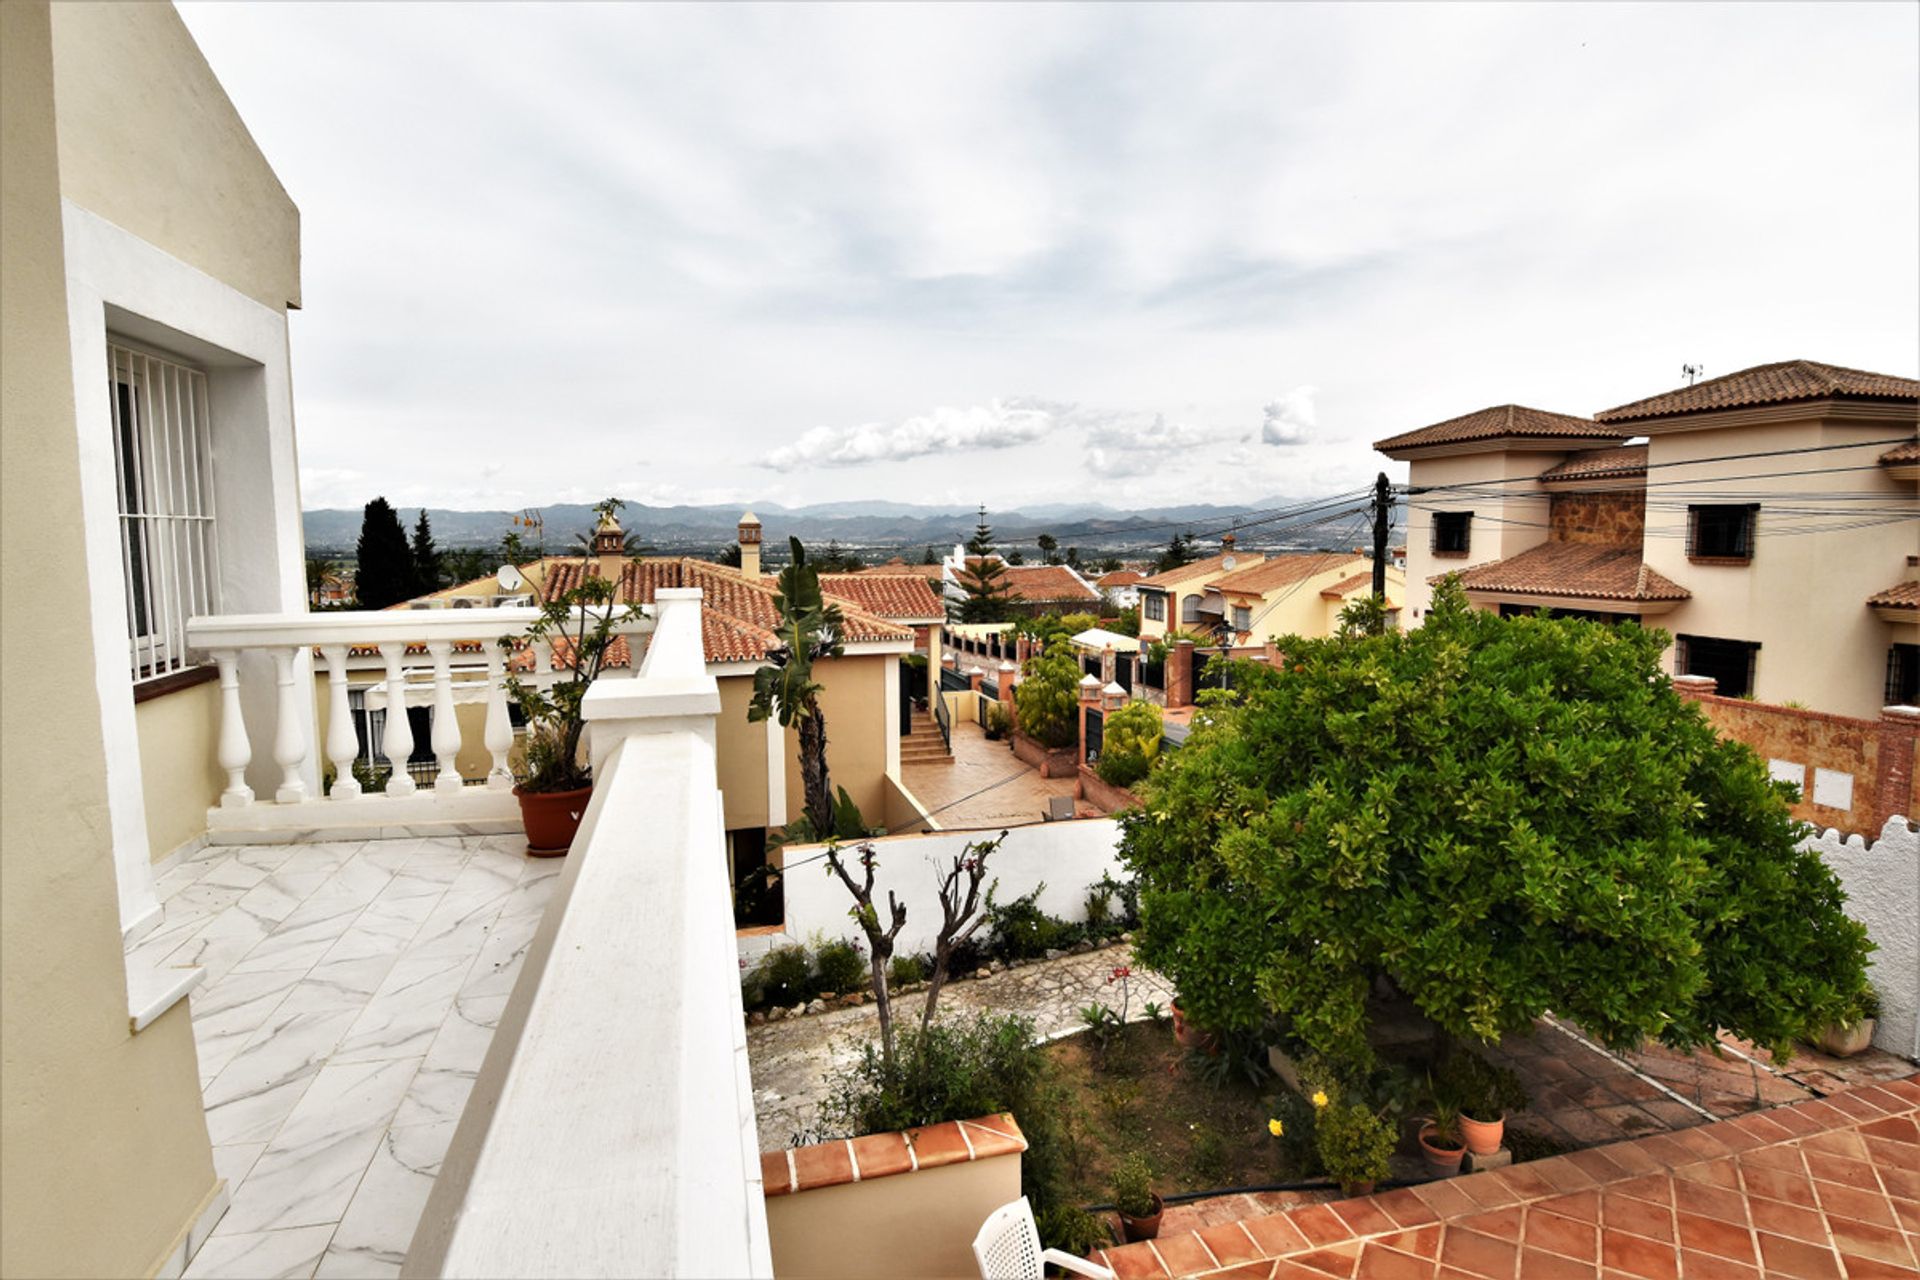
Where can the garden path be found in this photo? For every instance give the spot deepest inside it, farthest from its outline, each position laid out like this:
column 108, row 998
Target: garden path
column 792, row 1058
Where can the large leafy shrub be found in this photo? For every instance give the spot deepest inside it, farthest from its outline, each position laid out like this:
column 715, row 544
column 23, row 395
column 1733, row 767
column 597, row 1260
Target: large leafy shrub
column 1049, row 697
column 1129, row 743
column 1500, row 816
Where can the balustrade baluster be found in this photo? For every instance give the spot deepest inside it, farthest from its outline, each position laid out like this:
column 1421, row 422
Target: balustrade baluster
column 235, row 752
column 290, row 729
column 397, row 740
column 343, row 748
column 446, row 721
column 499, row 723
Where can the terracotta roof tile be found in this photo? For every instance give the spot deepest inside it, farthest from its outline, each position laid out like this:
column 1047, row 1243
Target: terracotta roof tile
column 1044, row 583
column 1600, row 464
column 1345, row 585
column 1903, row 595
column 1498, row 422
column 1780, row 383
column 899, row 597
column 1902, row 455
column 1119, row 578
column 1202, row 568
column 1279, row 571
column 1576, row 570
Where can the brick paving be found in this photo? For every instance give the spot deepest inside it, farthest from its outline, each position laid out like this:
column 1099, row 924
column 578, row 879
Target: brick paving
column 985, row 786
column 1826, row 1188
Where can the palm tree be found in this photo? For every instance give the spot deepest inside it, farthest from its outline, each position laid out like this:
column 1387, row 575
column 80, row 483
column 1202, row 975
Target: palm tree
column 785, row 689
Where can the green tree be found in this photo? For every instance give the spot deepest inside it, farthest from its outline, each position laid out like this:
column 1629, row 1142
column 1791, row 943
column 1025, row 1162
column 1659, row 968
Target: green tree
column 466, row 564
column 384, row 575
column 1016, row 556
column 929, row 557
column 1048, row 698
column 319, row 568
column 1048, row 544
column 1179, row 552
column 784, row 688
column 1129, row 743
column 426, row 557
column 730, row 555
column 1501, row 817
column 984, row 579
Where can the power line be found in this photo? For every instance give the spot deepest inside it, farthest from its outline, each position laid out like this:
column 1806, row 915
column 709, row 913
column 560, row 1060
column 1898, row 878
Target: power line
column 1694, row 462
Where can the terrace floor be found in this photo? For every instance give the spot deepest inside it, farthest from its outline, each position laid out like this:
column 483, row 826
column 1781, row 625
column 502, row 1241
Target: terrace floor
column 351, row 993
column 985, row 787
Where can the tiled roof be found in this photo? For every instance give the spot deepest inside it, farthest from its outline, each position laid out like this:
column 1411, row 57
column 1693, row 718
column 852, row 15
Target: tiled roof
column 1279, row 571
column 883, row 1155
column 1346, row 585
column 1201, row 568
column 1043, row 583
column 738, row 619
column 1904, row 595
column 1498, row 422
column 899, row 597
column 1119, row 578
column 897, row 565
column 1902, row 455
column 1601, row 464
column 1769, row 384
column 1581, row 570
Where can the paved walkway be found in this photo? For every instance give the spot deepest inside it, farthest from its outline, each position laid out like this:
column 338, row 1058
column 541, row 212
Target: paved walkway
column 986, row 787
column 792, row 1059
column 351, row 993
column 1827, row 1188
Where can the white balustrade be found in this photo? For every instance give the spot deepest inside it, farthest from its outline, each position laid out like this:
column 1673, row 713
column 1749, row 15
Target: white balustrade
column 386, row 661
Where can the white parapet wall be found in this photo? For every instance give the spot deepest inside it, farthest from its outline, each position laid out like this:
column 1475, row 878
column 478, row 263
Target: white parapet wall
column 1882, row 881
column 1067, row 857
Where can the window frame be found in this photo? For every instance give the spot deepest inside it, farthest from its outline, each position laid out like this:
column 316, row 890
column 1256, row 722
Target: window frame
column 1242, row 617
column 1686, row 649
column 1446, row 520
column 1903, row 676
column 1153, row 606
column 1740, row 549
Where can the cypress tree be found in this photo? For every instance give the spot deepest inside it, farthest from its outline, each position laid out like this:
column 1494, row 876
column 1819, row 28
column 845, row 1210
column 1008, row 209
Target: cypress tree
column 385, row 573
column 426, row 557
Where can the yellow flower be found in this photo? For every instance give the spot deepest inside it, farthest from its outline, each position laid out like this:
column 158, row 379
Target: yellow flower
column 1319, row 1097
column 1274, row 1128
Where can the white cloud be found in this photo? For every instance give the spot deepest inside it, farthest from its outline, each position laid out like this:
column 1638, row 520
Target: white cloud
column 1290, row 419
column 1001, row 424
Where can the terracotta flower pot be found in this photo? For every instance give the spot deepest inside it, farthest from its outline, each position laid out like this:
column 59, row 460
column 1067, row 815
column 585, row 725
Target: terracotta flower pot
column 1483, row 1137
column 1191, row 1036
column 551, row 819
column 1137, row 1229
column 1443, row 1160
column 1844, row 1039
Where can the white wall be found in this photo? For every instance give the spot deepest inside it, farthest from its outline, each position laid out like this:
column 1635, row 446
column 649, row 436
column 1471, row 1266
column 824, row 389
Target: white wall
column 1882, row 881
column 1068, row 856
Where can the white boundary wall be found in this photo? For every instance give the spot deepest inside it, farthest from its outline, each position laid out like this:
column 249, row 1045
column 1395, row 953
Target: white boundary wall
column 1882, row 880
column 1067, row 856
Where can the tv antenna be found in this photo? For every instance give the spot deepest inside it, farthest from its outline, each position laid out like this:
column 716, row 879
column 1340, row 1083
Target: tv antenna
column 1693, row 372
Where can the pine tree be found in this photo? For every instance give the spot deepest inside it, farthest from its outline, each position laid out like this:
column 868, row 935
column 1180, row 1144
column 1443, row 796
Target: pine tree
column 984, row 578
column 1179, row 552
column 385, row 573
column 426, row 557
column 929, row 557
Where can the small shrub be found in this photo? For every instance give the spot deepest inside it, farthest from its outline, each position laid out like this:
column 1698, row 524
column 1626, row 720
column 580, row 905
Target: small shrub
column 1099, row 907
column 784, row 976
column 1068, row 1227
column 1299, row 1135
column 1129, row 744
column 1021, row 930
column 1132, row 1184
column 949, row 1071
column 1479, row 1089
column 1355, row 1142
column 841, row 968
column 999, row 721
column 1126, row 893
column 1049, row 698
column 905, row 971
column 1207, row 1157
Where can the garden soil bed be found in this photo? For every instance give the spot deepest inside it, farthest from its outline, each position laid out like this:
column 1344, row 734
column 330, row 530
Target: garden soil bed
column 1142, row 1093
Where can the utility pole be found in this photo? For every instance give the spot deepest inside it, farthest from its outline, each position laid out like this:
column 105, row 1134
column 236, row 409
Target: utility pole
column 1382, row 513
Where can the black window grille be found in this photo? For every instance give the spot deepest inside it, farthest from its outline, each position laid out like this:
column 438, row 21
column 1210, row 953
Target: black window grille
column 1452, row 532
column 1721, row 532
column 1154, row 605
column 1903, row 676
column 1729, row 662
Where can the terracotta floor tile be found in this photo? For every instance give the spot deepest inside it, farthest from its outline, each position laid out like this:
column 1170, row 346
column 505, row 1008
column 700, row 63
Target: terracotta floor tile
column 1867, row 1269
column 1565, row 1236
column 1710, row 1201
column 1851, row 1202
column 1704, row 1266
column 1477, row 1254
column 1896, row 1128
column 1797, row 1260
column 1581, row 1205
column 1774, row 1184
column 1638, row 1256
column 1882, row 1244
column 1885, row 1153
column 1487, row 1191
column 1855, row 1107
column 1320, row 1225
column 1624, row 1213
column 1261, row 1270
column 1635, row 1157
column 1422, row 1242
column 1285, row 1270
column 1444, row 1198
column 1183, row 1253
column 1721, row 1173
column 1135, row 1262
column 1852, row 1172
column 1377, row 1263
column 1503, row 1223
column 1760, row 1126
column 1715, row 1236
column 1844, row 1143
column 1795, row 1122
column 1406, row 1208
column 1362, row 1216
column 1787, row 1220
column 881, row 1155
column 1654, row 1188
column 1335, row 1260
column 1527, row 1182
column 1275, row 1234
column 826, row 1165
column 1598, row 1165
column 1899, row 1182
column 1882, row 1097
column 1536, row 1265
column 1735, row 1138
column 1563, row 1173
column 1230, row 1243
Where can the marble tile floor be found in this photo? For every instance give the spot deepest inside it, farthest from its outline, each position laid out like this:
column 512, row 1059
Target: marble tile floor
column 351, row 992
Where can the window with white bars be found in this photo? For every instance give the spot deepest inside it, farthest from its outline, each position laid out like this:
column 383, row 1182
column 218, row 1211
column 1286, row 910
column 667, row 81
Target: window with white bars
column 163, row 475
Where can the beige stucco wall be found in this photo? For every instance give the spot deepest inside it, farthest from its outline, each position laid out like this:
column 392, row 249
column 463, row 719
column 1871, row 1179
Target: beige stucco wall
column 141, row 111
column 1503, row 526
column 742, row 757
column 1297, row 608
column 1804, row 595
column 103, row 1145
column 918, row 1224
column 180, row 776
column 854, row 700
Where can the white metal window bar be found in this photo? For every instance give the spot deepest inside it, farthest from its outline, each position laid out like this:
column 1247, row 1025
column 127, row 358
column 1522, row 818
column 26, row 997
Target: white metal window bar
column 163, row 476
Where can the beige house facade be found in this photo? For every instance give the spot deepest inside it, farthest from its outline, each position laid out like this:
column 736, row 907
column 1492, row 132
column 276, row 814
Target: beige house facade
column 1765, row 519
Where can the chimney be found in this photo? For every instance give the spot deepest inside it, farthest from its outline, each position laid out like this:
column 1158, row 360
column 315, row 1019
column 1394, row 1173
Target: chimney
column 750, row 545
column 608, row 539
column 1226, row 544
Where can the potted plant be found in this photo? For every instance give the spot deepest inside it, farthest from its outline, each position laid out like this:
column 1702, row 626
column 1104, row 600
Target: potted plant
column 1845, row 1038
column 1134, row 1197
column 1440, row 1140
column 1190, row 1036
column 1356, row 1144
column 581, row 625
column 1484, row 1095
column 999, row 721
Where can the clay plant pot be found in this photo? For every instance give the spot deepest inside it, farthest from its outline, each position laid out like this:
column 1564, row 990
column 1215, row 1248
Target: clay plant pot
column 1138, row 1229
column 1844, row 1039
column 1191, row 1036
column 551, row 819
column 1442, row 1159
column 1483, row 1137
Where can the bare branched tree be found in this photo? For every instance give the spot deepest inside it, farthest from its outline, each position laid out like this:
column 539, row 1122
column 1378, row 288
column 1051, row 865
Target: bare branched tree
column 960, row 913
column 879, row 941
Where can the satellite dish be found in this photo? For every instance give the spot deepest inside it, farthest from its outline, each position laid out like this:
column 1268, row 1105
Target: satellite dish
column 1228, row 563
column 509, row 578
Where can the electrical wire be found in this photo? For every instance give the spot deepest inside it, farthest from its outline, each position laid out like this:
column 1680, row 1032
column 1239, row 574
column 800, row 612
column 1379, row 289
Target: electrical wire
column 1693, row 462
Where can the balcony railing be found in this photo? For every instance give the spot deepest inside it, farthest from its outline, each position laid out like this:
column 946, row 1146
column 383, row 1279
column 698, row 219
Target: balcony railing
column 390, row 659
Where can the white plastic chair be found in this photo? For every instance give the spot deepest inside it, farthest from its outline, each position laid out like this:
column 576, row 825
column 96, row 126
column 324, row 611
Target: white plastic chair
column 1008, row 1248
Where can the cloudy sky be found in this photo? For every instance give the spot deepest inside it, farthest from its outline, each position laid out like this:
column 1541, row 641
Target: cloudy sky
column 1032, row 254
